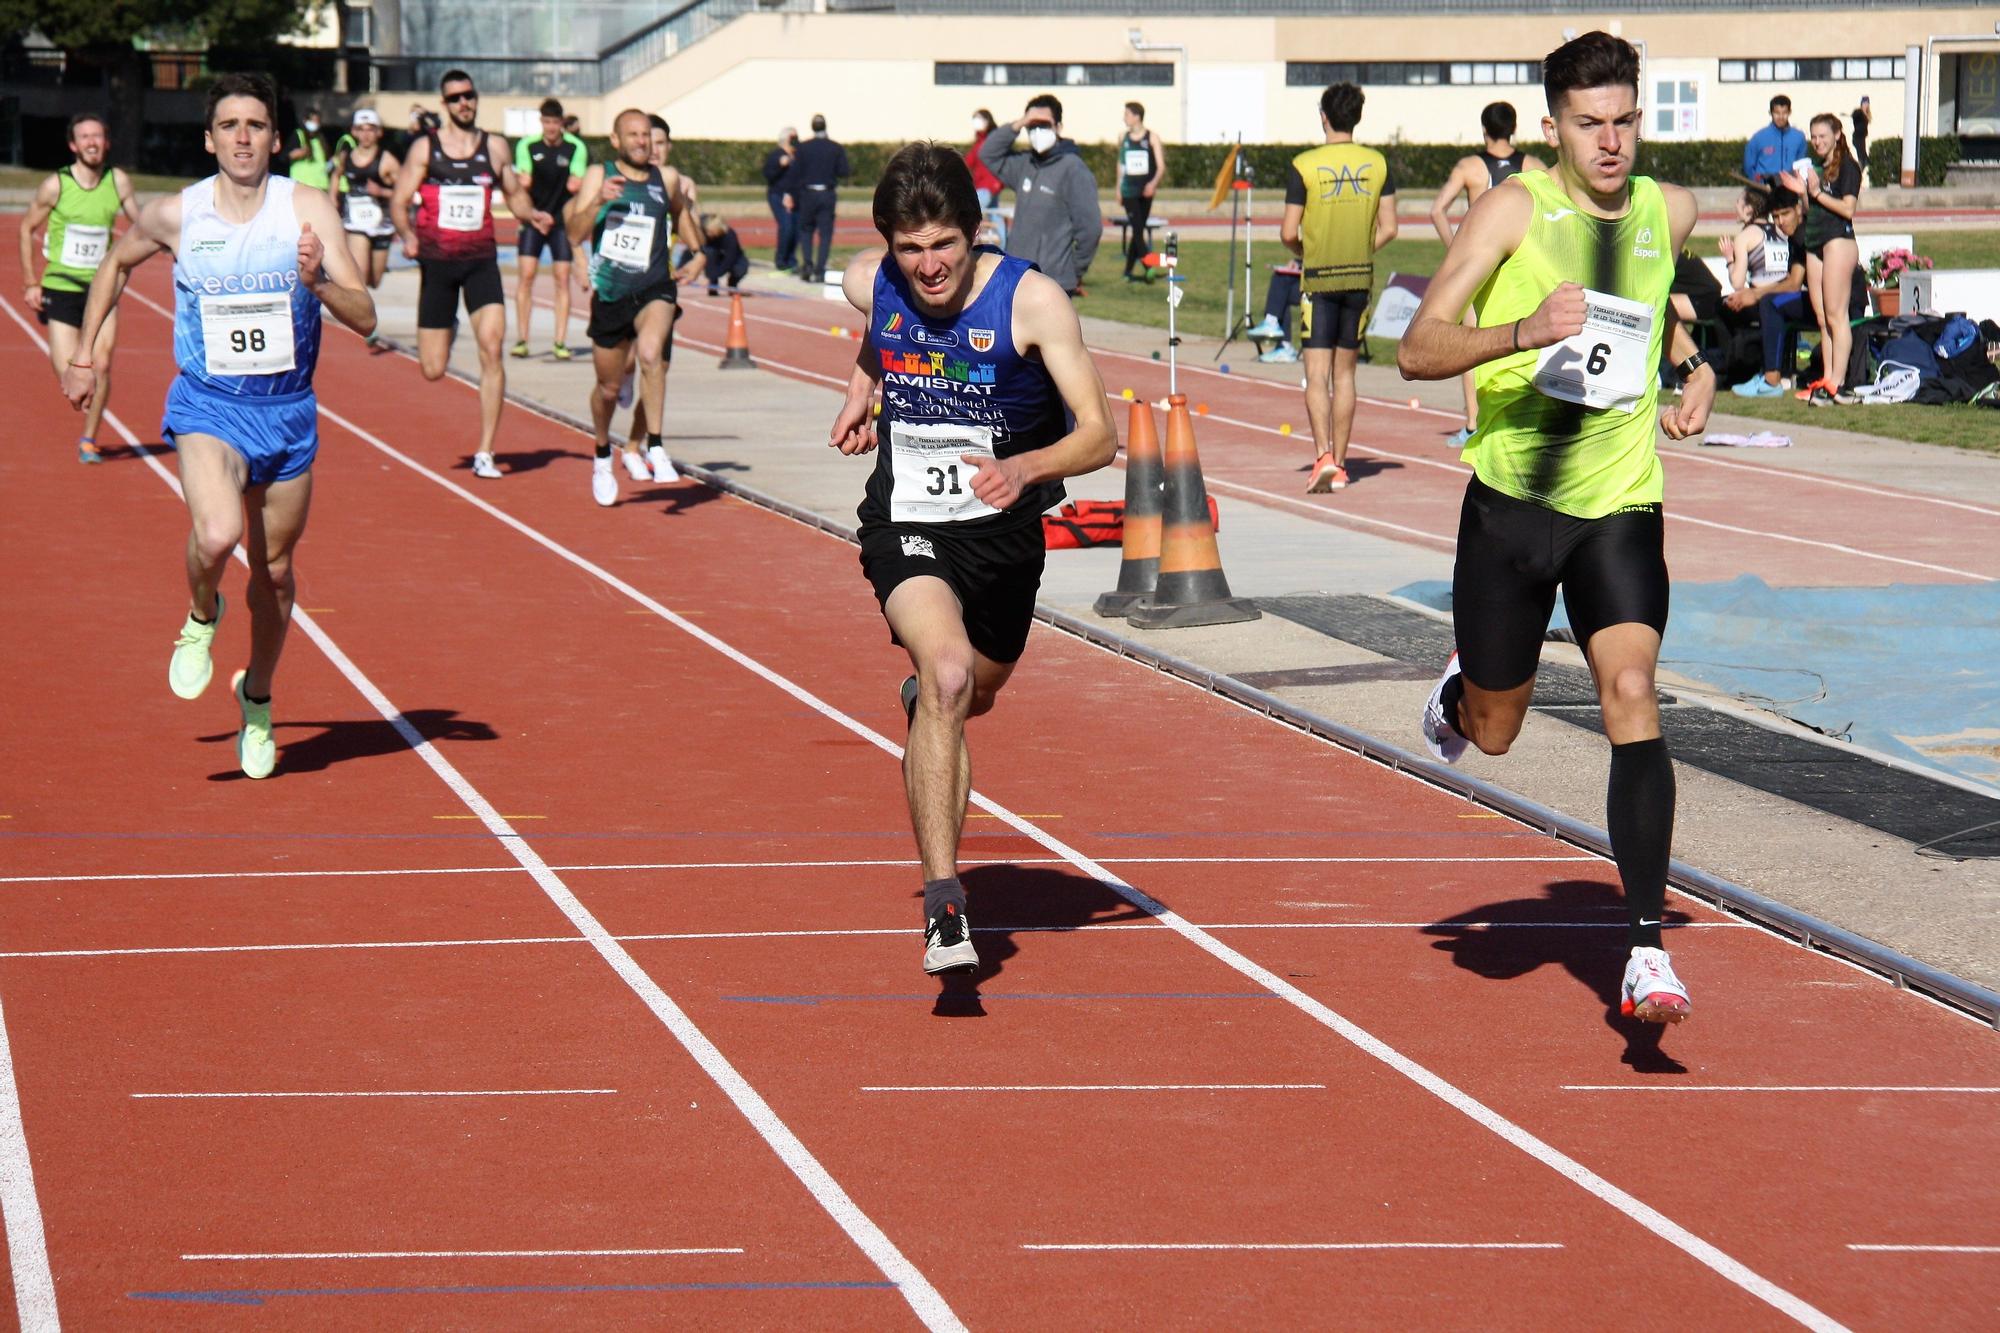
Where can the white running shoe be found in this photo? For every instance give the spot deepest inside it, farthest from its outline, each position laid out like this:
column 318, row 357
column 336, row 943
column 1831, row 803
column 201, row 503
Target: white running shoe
column 1441, row 733
column 635, row 466
column 603, row 485
column 1652, row 993
column 663, row 467
column 484, row 466
column 948, row 943
column 189, row 669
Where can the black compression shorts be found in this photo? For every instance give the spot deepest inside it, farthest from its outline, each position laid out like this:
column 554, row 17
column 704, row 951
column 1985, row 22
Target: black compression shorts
column 1513, row 555
column 553, row 245
column 1332, row 319
column 442, row 280
column 995, row 575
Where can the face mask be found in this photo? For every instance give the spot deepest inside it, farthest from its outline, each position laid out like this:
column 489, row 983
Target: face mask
column 1041, row 138
column 978, row 126
column 312, row 126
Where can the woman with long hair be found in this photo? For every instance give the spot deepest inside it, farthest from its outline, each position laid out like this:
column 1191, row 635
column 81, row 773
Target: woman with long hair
column 1831, row 253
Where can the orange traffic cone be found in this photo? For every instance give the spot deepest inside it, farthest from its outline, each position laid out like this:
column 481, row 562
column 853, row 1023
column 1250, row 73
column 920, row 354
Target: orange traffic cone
column 736, row 349
column 1145, row 479
column 1191, row 588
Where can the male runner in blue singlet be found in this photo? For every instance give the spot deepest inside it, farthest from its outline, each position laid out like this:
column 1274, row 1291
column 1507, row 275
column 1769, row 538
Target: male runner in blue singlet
column 988, row 401
column 251, row 271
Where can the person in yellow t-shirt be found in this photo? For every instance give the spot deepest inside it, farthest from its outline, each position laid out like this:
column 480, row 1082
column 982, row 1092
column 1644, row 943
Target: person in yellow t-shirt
column 1568, row 273
column 1340, row 208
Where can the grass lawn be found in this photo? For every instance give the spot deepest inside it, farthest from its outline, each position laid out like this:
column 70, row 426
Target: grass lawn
column 22, row 178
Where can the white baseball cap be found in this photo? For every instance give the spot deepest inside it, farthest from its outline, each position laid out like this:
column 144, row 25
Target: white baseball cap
column 366, row 117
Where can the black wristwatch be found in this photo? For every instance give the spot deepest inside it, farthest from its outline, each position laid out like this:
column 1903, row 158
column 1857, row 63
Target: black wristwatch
column 1687, row 368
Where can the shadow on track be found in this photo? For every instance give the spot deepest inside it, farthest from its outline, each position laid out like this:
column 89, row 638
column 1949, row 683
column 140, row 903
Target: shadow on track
column 1594, row 957
column 337, row 742
column 524, row 460
column 1022, row 900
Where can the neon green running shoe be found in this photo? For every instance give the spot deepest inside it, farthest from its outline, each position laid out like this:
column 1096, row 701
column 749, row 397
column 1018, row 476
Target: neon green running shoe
column 255, row 750
column 190, row 668
column 562, row 352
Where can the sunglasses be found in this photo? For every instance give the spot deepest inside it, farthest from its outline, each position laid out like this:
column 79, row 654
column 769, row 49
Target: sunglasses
column 467, row 96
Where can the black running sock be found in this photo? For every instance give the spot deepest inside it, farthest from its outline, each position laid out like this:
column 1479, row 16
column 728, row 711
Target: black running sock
column 653, row 441
column 199, row 621
column 1454, row 694
column 604, row 450
column 1639, row 813
column 253, row 699
column 938, row 892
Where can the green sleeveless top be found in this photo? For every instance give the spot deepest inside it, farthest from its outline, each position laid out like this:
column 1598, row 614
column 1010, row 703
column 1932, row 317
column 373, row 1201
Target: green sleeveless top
column 79, row 232
column 1571, row 427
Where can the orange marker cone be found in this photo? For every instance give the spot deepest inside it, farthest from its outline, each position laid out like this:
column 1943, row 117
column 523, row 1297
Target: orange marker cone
column 1145, row 478
column 1191, row 588
column 736, row 349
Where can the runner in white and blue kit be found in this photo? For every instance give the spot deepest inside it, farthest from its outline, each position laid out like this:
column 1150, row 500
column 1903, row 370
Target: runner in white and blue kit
column 988, row 401
column 251, row 271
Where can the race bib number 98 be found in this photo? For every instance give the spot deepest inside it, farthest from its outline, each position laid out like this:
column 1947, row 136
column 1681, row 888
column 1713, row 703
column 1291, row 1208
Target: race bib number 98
column 247, row 335
column 630, row 243
column 933, row 482
column 1608, row 364
column 461, row 207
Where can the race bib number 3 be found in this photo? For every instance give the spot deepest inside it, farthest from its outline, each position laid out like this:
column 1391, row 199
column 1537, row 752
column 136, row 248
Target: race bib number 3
column 933, row 482
column 1609, row 364
column 84, row 247
column 247, row 335
column 363, row 213
column 461, row 207
column 630, row 243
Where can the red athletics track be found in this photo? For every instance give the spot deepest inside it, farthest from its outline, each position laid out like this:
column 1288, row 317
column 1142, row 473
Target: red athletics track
column 1726, row 516
column 621, row 740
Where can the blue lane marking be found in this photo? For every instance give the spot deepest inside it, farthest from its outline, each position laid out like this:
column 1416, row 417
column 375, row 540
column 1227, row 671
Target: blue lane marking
column 258, row 1296
column 973, row 997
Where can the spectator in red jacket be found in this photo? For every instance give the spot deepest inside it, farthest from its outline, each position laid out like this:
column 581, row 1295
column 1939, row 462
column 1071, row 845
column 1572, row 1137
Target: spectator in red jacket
column 984, row 181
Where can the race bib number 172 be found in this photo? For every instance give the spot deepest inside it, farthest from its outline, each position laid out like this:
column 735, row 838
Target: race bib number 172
column 1608, row 364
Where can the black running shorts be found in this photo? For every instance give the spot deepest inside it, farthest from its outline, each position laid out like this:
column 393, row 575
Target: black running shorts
column 995, row 575
column 1513, row 555
column 441, row 282
column 552, row 245
column 62, row 307
column 615, row 323
column 1332, row 319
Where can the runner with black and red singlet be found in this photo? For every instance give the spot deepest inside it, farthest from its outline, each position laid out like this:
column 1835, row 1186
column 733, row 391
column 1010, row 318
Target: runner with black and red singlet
column 451, row 174
column 989, row 400
column 1570, row 275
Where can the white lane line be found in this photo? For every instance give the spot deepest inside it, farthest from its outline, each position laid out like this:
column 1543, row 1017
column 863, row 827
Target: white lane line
column 924, row 1299
column 1178, row 1246
column 1769, row 1087
column 1728, row 1267
column 414, row 1092
column 1927, row 1249
column 466, row 1254
column 153, row 876
column 1107, row 1087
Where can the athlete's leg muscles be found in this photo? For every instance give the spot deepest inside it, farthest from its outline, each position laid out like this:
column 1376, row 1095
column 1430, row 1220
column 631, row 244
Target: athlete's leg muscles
column 560, row 270
column 524, row 293
column 434, row 352
column 609, row 363
column 1815, row 281
column 378, row 264
column 213, row 476
column 1639, row 799
column 1836, row 284
column 62, row 345
column 362, row 253
column 101, row 353
column 1491, row 719
column 937, row 768
column 988, row 676
column 639, row 422
column 1344, row 359
column 489, row 324
column 276, row 517
column 1319, row 396
column 650, row 348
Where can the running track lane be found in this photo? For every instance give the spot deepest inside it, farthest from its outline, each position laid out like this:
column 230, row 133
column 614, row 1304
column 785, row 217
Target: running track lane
column 1075, row 701
column 1726, row 516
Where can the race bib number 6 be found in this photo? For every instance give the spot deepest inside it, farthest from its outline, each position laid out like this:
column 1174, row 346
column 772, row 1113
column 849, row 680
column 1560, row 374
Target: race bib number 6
column 461, row 207
column 247, row 335
column 1609, row 363
column 933, row 482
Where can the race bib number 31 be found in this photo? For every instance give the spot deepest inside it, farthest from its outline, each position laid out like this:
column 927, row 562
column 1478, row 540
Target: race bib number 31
column 933, row 482
column 630, row 243
column 1609, row 364
column 461, row 207
column 84, row 247
column 247, row 335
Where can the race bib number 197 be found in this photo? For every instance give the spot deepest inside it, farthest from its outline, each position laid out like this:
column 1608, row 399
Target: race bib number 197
column 933, row 482
column 1609, row 363
column 84, row 247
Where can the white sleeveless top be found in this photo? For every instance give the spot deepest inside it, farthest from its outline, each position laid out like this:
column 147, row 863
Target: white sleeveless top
column 243, row 324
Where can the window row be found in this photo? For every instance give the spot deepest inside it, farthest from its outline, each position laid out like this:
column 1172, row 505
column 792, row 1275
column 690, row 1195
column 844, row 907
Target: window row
column 1820, row 69
column 1404, row 73
column 1132, row 73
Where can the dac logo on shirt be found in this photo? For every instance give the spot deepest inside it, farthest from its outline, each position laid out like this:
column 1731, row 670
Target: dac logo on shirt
column 981, row 340
column 931, row 337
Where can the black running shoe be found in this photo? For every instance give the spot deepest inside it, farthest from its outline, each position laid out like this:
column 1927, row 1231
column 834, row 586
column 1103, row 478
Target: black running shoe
column 908, row 694
column 948, row 943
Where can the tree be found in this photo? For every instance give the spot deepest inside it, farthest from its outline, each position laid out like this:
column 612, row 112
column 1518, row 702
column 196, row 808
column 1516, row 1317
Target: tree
column 102, row 32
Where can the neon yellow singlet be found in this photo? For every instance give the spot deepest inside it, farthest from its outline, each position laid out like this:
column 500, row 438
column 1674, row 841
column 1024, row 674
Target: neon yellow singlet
column 1577, row 460
column 94, row 212
column 1344, row 184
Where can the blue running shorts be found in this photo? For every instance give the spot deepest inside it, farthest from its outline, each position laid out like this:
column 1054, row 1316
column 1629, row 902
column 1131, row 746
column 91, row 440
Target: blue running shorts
column 277, row 436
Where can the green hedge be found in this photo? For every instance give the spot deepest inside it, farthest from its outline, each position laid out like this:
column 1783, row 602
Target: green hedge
column 1418, row 166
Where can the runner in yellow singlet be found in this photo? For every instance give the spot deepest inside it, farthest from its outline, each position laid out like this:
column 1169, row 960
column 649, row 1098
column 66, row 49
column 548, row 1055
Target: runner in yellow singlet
column 1568, row 274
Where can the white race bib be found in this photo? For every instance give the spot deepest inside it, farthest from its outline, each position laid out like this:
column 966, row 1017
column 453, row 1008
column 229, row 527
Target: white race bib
column 1139, row 162
column 84, row 247
column 933, row 482
column 630, row 243
column 364, row 213
column 461, row 207
column 247, row 335
column 1609, row 364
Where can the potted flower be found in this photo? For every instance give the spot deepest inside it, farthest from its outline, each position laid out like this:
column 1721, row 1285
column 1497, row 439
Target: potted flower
column 1885, row 272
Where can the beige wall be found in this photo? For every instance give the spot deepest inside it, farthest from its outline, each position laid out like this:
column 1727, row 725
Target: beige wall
column 872, row 74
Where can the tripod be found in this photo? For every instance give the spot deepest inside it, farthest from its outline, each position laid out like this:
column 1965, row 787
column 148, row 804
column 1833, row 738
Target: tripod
column 1243, row 198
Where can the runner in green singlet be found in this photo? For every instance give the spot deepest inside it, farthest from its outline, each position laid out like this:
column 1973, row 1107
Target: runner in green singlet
column 1568, row 274
column 77, row 208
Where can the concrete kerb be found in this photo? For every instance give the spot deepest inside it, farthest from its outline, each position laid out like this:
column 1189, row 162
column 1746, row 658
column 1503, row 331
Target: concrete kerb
column 1801, row 928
